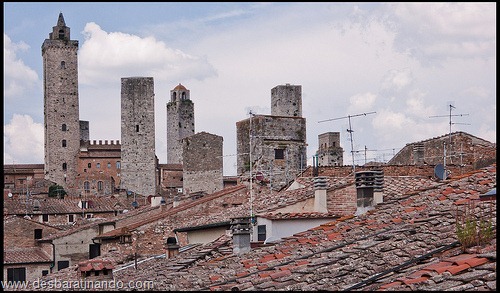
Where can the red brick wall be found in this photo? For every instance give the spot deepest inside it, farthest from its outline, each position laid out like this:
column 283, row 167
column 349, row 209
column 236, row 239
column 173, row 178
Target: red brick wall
column 342, row 202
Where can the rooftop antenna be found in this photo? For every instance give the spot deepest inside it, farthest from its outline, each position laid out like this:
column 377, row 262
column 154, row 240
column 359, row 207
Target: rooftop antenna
column 451, row 106
column 350, row 132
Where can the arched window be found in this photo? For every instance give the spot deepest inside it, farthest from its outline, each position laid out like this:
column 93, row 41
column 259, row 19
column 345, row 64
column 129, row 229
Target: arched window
column 61, row 34
column 63, row 143
column 174, row 96
column 98, row 165
column 183, row 95
column 63, row 127
column 99, row 185
column 109, row 165
column 63, row 65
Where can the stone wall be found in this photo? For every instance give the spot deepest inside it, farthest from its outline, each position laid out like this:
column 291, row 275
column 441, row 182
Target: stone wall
column 286, row 100
column 202, row 167
column 272, row 136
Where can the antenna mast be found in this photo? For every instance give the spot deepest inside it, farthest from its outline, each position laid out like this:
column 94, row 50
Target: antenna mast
column 350, row 132
column 450, row 105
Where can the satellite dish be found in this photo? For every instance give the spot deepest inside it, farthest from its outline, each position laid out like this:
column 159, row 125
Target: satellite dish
column 9, row 195
column 135, row 204
column 440, row 172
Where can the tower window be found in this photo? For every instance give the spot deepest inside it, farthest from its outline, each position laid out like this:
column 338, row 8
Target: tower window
column 63, row 127
column 174, row 96
column 89, row 165
column 279, row 154
column 137, row 128
column 183, row 95
column 63, row 65
column 61, row 34
column 65, row 166
column 63, row 143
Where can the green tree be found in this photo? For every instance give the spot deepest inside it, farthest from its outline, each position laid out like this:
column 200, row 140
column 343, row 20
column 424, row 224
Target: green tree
column 57, row 191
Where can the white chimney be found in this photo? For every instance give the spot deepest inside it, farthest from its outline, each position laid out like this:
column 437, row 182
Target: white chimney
column 320, row 186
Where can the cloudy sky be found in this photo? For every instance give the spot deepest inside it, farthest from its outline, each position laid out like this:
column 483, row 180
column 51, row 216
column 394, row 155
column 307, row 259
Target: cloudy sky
column 406, row 62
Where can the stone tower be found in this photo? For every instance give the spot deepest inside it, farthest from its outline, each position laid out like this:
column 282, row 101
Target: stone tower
column 330, row 153
column 61, row 110
column 286, row 100
column 274, row 144
column 180, row 122
column 138, row 166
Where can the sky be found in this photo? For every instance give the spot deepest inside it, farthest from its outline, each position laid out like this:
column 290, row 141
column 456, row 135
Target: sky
column 382, row 70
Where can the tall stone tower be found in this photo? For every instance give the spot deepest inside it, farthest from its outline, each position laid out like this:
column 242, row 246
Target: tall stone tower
column 61, row 110
column 274, row 146
column 330, row 153
column 138, row 157
column 180, row 122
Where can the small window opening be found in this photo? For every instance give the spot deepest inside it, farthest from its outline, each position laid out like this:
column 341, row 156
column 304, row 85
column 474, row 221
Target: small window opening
column 137, row 128
column 63, row 143
column 63, row 127
column 279, row 154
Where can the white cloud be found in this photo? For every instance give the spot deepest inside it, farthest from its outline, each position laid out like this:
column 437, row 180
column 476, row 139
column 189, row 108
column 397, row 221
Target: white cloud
column 396, row 79
column 17, row 76
column 107, row 57
column 362, row 102
column 23, row 141
column 445, row 30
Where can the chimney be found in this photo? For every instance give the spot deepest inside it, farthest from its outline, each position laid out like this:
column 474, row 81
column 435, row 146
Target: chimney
column 320, row 186
column 172, row 247
column 368, row 183
column 241, row 234
column 418, row 154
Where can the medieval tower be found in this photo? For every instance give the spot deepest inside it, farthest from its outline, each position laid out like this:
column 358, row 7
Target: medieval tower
column 329, row 153
column 138, row 157
column 180, row 122
column 273, row 147
column 61, row 110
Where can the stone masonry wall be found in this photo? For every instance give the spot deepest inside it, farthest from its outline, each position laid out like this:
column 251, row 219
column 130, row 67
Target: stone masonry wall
column 286, row 100
column 202, row 168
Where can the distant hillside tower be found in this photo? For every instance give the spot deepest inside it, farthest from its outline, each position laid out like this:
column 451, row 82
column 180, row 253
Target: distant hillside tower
column 180, row 122
column 61, row 110
column 138, row 164
column 329, row 151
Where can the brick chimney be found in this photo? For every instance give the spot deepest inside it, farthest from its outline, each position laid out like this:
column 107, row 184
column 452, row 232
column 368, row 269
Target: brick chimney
column 241, row 234
column 172, row 247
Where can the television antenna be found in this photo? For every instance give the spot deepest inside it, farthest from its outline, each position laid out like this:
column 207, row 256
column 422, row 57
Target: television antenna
column 350, row 131
column 450, row 105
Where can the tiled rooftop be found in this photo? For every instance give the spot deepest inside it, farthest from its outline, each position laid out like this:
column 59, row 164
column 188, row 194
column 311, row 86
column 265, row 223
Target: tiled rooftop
column 25, row 255
column 408, row 242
